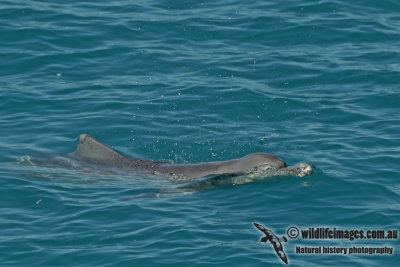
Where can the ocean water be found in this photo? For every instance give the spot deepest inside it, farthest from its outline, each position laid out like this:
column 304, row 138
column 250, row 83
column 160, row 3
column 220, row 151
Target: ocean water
column 191, row 81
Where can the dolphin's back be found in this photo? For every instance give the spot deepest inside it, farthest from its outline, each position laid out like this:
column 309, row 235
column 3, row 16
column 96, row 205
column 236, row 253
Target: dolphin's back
column 238, row 166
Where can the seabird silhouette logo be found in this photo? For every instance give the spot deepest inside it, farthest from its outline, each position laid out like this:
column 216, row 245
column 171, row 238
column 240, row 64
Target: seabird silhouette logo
column 274, row 240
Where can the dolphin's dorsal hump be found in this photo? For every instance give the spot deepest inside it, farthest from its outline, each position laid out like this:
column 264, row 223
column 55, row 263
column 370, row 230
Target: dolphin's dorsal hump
column 91, row 149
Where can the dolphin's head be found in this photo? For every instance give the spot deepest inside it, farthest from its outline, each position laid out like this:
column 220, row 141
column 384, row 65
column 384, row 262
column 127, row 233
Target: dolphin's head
column 261, row 159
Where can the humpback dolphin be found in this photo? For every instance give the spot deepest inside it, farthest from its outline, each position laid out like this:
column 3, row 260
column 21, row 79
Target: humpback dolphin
column 94, row 152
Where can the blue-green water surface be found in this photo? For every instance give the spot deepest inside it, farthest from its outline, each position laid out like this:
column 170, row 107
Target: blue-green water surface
column 192, row 81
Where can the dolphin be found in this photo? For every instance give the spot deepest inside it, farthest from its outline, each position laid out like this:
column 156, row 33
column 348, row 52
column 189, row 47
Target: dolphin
column 92, row 155
column 93, row 152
